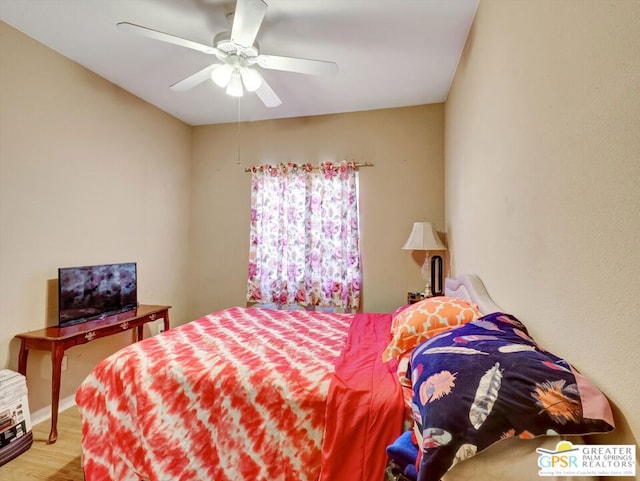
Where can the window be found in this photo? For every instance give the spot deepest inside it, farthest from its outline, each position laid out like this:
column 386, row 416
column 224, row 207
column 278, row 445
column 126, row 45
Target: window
column 304, row 240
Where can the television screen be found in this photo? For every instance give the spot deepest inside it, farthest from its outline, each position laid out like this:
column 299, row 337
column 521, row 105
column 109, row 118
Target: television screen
column 91, row 292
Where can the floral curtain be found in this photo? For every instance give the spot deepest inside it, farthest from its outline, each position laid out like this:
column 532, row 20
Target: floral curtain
column 304, row 241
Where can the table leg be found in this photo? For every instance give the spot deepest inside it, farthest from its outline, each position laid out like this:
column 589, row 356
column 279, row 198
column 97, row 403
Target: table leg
column 140, row 332
column 56, row 367
column 22, row 358
column 166, row 321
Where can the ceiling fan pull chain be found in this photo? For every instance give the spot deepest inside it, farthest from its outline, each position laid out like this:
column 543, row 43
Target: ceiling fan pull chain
column 238, row 162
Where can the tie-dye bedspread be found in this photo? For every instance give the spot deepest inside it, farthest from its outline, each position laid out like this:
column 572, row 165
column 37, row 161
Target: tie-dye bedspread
column 238, row 394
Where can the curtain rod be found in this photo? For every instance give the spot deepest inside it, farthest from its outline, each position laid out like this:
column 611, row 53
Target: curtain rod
column 315, row 167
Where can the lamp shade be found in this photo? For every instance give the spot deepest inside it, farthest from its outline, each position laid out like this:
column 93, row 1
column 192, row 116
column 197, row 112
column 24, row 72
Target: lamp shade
column 423, row 237
column 221, row 74
column 251, row 79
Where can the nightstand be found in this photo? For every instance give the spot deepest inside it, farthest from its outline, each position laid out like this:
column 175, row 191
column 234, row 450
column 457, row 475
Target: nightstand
column 413, row 297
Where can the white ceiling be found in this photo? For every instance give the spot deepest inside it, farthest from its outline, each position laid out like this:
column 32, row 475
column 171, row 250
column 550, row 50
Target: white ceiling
column 390, row 53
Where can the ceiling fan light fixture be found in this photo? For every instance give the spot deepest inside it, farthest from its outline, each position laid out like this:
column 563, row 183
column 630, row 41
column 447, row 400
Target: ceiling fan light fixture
column 234, row 88
column 237, row 51
column 222, row 75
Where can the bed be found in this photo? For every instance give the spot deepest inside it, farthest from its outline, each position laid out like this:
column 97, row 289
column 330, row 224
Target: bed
column 260, row 394
column 244, row 393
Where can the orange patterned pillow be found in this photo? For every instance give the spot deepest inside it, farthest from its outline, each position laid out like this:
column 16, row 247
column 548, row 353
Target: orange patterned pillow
column 426, row 319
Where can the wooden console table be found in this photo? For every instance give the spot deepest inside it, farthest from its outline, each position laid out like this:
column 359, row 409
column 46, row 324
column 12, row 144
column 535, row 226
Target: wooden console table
column 58, row 339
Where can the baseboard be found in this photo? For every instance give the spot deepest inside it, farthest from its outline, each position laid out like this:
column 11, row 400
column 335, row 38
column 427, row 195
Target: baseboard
column 44, row 414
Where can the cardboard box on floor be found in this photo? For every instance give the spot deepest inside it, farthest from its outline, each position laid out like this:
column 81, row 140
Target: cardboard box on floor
column 15, row 421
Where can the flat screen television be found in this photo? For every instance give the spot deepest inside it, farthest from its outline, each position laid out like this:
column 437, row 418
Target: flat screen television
column 91, row 292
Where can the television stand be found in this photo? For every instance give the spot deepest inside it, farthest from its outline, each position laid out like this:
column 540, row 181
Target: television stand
column 58, row 339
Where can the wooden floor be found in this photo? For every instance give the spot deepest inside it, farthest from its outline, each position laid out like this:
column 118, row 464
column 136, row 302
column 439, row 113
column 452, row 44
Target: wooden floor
column 55, row 462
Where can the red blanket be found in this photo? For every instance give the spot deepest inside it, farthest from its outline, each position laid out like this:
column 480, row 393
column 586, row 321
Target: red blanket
column 365, row 400
column 238, row 394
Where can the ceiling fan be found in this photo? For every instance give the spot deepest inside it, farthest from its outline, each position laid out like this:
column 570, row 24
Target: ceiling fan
column 238, row 54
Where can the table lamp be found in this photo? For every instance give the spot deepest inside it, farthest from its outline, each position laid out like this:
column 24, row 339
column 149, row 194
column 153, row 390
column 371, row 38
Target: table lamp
column 423, row 237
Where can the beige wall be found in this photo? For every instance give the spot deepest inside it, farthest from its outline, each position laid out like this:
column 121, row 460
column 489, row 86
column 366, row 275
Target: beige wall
column 542, row 179
column 89, row 174
column 405, row 185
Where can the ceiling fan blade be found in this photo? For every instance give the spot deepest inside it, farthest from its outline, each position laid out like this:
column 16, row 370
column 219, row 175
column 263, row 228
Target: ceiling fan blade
column 195, row 79
column 165, row 37
column 266, row 94
column 300, row 65
column 247, row 20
